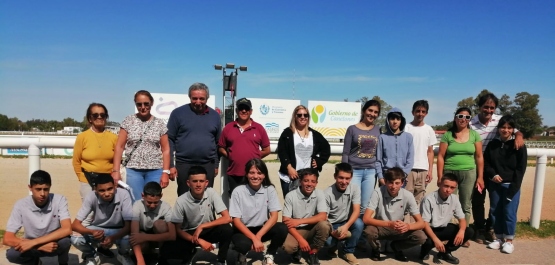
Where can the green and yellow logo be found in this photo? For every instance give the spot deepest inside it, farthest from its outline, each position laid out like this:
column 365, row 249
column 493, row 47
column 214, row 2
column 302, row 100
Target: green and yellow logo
column 318, row 114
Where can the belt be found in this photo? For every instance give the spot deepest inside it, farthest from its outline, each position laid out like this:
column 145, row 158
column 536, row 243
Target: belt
column 418, row 170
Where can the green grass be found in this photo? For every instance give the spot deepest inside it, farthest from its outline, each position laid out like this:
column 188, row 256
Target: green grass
column 546, row 230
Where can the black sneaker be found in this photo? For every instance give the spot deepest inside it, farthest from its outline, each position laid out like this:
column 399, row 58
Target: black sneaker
column 296, row 257
column 398, row 254
column 490, row 235
column 241, row 259
column 105, row 252
column 189, row 260
column 375, row 255
column 448, row 257
column 313, row 259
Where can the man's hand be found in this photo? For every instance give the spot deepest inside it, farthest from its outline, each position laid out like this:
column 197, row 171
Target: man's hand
column 107, row 242
column 381, row 181
column 216, row 171
column 401, row 226
column 205, row 245
column 341, row 232
column 519, row 141
column 292, row 223
column 173, row 173
column 304, row 246
column 196, row 235
column 429, row 178
column 257, row 245
column 98, row 234
column 137, row 239
column 25, row 245
column 459, row 238
column 439, row 245
column 49, row 247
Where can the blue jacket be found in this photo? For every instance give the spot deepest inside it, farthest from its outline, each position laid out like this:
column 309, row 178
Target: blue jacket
column 395, row 150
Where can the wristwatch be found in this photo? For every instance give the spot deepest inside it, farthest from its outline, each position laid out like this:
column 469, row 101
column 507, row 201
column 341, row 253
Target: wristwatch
column 167, row 171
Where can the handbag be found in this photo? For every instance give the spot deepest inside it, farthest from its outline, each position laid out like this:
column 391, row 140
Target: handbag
column 128, row 157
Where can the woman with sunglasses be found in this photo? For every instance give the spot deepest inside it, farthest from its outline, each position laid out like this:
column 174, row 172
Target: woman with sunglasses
column 460, row 153
column 504, row 168
column 299, row 146
column 94, row 148
column 359, row 150
column 147, row 150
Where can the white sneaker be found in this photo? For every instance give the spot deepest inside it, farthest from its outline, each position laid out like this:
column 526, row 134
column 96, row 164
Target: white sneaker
column 93, row 261
column 125, row 260
column 496, row 244
column 268, row 260
column 508, row 248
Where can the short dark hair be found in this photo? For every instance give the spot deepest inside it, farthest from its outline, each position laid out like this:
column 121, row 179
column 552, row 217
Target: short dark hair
column 392, row 115
column 260, row 165
column 40, row 177
column 94, row 104
column 421, row 103
column 507, row 119
column 196, row 170
column 103, row 179
column 307, row 171
column 393, row 174
column 484, row 98
column 152, row 189
column 345, row 167
column 450, row 176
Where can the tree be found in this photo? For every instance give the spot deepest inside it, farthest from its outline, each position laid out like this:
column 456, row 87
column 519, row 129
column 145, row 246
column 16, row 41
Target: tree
column 468, row 103
column 443, row 127
column 525, row 113
column 505, row 104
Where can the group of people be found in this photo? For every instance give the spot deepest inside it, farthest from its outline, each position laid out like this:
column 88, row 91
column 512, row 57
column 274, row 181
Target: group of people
column 477, row 154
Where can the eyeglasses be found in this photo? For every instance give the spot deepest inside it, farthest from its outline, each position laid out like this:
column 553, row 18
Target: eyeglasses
column 460, row 116
column 99, row 115
column 140, row 104
column 243, row 108
column 300, row 115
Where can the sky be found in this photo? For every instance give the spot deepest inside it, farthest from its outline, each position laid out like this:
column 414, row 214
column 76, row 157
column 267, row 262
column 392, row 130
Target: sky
column 56, row 57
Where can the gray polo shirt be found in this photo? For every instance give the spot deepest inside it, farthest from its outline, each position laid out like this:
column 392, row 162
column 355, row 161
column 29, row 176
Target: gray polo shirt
column 388, row 208
column 340, row 204
column 191, row 212
column 37, row 221
column 147, row 217
column 298, row 206
column 253, row 206
column 439, row 212
column 107, row 214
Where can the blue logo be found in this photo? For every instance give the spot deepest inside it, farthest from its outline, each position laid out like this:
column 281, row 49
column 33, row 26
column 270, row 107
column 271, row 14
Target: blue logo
column 264, row 109
column 272, row 127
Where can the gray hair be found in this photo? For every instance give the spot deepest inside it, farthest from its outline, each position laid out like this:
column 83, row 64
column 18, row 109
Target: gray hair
column 199, row 86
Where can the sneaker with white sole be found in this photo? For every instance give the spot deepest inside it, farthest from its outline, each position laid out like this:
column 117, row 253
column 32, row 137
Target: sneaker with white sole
column 508, row 248
column 268, row 260
column 496, row 244
column 92, row 261
column 125, row 260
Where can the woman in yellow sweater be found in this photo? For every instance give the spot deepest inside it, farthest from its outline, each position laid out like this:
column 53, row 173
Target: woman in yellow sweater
column 94, row 148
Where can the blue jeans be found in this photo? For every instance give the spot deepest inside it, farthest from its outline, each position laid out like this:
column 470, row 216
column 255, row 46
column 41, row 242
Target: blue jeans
column 502, row 211
column 351, row 242
column 87, row 244
column 137, row 178
column 366, row 180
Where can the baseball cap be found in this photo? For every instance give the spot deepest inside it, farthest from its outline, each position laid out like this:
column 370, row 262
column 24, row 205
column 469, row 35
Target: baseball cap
column 245, row 102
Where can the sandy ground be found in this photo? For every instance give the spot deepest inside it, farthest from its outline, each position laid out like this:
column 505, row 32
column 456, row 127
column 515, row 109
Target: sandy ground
column 14, row 180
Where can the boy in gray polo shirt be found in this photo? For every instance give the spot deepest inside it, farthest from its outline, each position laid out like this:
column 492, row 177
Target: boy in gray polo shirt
column 112, row 219
column 343, row 201
column 45, row 218
column 438, row 208
column 389, row 203
column 305, row 213
column 194, row 218
column 151, row 222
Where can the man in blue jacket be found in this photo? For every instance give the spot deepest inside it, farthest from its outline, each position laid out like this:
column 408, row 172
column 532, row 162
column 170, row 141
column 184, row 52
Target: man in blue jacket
column 395, row 147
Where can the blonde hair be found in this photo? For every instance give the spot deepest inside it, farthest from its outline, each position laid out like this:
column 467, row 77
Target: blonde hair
column 294, row 121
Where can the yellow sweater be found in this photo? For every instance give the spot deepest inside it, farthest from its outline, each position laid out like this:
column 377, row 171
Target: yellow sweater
column 93, row 152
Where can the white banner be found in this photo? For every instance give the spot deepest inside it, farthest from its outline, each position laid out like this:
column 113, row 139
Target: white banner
column 165, row 103
column 331, row 118
column 273, row 114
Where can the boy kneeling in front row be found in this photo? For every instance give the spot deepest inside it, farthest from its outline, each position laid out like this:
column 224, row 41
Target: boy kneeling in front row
column 151, row 224
column 45, row 218
column 112, row 219
column 438, row 208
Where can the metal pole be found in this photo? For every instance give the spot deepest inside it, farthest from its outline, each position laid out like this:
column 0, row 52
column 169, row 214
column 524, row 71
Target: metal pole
column 34, row 160
column 223, row 161
column 539, row 182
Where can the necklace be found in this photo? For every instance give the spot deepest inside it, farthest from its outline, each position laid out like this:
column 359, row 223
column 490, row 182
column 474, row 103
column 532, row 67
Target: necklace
column 302, row 137
column 100, row 139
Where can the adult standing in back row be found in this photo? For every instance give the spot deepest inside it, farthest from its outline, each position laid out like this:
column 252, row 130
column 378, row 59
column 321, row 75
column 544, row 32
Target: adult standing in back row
column 193, row 133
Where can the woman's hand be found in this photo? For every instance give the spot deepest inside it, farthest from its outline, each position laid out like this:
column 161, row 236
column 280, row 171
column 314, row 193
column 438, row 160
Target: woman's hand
column 116, row 176
column 497, row 179
column 164, row 180
column 292, row 173
column 480, row 184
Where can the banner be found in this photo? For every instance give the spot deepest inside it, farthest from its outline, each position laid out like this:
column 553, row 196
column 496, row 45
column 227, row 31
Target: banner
column 273, row 114
column 165, row 103
column 331, row 118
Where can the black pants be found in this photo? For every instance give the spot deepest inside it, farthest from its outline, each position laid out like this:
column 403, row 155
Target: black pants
column 233, row 182
column 182, row 249
column 32, row 255
column 183, row 175
column 276, row 235
column 478, row 209
column 446, row 233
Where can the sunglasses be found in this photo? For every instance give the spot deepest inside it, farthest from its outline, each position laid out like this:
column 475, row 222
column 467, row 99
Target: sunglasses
column 460, row 116
column 299, row 115
column 243, row 108
column 140, row 104
column 99, row 115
